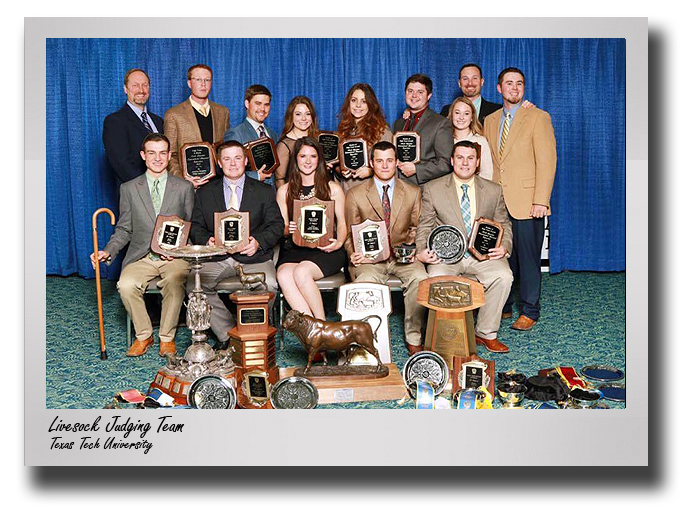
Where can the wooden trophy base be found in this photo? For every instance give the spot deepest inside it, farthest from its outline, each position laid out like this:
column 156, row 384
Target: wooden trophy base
column 347, row 389
column 254, row 351
column 178, row 386
column 243, row 400
column 450, row 334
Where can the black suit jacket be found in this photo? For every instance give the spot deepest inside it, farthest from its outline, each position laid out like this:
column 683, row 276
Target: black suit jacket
column 258, row 199
column 123, row 137
column 484, row 110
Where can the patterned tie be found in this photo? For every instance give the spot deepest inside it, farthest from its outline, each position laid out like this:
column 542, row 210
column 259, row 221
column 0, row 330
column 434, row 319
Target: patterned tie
column 262, row 132
column 232, row 203
column 386, row 206
column 504, row 134
column 144, row 117
column 156, row 198
column 466, row 213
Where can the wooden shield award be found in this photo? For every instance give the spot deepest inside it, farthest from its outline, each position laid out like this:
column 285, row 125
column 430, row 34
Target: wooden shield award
column 262, row 152
column 171, row 232
column 408, row 146
column 370, row 239
column 232, row 230
column 330, row 146
column 353, row 154
column 471, row 372
column 315, row 222
column 197, row 159
column 486, row 234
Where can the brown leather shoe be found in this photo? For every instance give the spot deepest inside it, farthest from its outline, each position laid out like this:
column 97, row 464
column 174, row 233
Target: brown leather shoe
column 523, row 323
column 506, row 315
column 139, row 347
column 167, row 347
column 413, row 349
column 493, row 345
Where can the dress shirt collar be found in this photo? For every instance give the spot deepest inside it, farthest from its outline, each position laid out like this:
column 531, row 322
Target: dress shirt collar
column 202, row 109
column 256, row 126
column 379, row 184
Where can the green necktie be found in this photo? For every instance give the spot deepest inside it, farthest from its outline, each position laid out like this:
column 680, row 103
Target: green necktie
column 156, row 198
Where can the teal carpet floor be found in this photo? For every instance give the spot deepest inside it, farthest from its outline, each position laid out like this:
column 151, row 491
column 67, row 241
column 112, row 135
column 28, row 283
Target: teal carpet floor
column 582, row 323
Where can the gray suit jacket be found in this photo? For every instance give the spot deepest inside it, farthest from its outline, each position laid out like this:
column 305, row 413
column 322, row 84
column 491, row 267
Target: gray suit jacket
column 439, row 206
column 245, row 133
column 437, row 143
column 137, row 214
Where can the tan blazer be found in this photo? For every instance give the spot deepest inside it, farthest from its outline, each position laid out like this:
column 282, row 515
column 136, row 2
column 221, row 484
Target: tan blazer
column 363, row 203
column 526, row 170
column 181, row 127
column 440, row 206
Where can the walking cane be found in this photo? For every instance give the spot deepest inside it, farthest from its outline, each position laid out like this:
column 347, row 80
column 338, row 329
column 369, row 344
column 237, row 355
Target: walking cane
column 103, row 354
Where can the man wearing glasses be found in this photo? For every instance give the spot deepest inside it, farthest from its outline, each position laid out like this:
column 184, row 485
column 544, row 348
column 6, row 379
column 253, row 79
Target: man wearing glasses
column 195, row 120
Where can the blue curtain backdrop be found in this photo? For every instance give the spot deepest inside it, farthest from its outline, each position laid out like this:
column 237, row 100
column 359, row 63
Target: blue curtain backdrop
column 580, row 82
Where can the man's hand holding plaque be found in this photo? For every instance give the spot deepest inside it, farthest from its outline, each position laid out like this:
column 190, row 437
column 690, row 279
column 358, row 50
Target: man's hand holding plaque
column 198, row 162
column 485, row 240
column 370, row 242
column 313, row 223
column 262, row 157
column 232, row 230
column 408, row 146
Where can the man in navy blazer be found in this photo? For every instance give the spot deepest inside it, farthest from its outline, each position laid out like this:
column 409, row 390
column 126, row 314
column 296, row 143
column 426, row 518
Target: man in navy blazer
column 125, row 130
column 257, row 100
column 235, row 190
column 471, row 82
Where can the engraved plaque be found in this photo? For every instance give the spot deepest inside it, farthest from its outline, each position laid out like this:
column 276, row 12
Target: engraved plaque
column 450, row 294
column 197, row 159
column 257, row 386
column 315, row 222
column 371, row 240
column 330, row 146
column 408, row 145
column 253, row 316
column 231, row 230
column 170, row 233
column 353, row 154
column 448, row 243
column 262, row 152
column 486, row 234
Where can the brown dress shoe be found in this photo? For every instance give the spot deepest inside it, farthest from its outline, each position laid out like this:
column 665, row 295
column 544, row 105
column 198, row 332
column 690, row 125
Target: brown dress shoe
column 139, row 347
column 413, row 349
column 167, row 347
column 506, row 315
column 493, row 345
column 523, row 323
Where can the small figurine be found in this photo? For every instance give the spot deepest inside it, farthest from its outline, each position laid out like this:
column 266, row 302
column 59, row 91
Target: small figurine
column 248, row 280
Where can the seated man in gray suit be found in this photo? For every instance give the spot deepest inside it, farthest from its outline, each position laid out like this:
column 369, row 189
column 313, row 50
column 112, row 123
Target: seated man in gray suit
column 257, row 100
column 458, row 199
column 142, row 199
column 435, row 131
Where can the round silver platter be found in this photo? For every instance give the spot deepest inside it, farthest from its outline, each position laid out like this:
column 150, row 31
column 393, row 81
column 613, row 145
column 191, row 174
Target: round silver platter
column 294, row 392
column 448, row 243
column 429, row 366
column 602, row 373
column 613, row 392
column 197, row 252
column 212, row 392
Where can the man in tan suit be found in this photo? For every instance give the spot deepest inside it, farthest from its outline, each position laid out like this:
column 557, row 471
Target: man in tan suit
column 196, row 119
column 458, row 199
column 524, row 151
column 398, row 203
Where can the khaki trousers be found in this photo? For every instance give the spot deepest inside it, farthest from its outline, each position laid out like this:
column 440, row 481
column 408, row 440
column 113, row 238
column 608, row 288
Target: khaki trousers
column 495, row 276
column 410, row 274
column 132, row 284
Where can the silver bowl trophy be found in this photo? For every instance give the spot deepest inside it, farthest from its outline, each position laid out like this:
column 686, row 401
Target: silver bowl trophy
column 448, row 243
column 404, row 252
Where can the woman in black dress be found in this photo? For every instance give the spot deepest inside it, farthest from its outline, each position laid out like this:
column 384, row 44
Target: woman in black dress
column 299, row 267
column 300, row 120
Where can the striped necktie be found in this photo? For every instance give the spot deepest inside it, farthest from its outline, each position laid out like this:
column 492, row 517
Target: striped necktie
column 466, row 212
column 144, row 117
column 504, row 134
column 262, row 132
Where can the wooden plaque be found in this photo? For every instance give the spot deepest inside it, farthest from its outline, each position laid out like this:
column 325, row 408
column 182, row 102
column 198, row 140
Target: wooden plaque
column 329, row 142
column 262, row 152
column 408, row 144
column 486, row 234
column 232, row 230
column 171, row 232
column 371, row 240
column 458, row 361
column 353, row 154
column 197, row 159
column 315, row 222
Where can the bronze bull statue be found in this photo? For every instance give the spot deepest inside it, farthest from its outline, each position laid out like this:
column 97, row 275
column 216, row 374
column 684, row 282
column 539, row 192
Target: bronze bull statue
column 320, row 336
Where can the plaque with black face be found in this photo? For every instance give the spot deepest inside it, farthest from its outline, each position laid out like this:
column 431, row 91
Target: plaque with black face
column 448, row 243
column 197, row 159
column 231, row 230
column 486, row 234
column 171, row 232
column 330, row 146
column 257, row 386
column 314, row 219
column 408, row 145
column 370, row 239
column 473, row 377
column 253, row 316
column 262, row 152
column 353, row 154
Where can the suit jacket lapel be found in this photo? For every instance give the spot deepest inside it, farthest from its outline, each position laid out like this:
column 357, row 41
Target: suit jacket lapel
column 247, row 196
column 517, row 125
column 373, row 199
column 189, row 113
column 455, row 208
column 422, row 121
column 168, row 197
column 397, row 198
column 478, row 196
column 144, row 193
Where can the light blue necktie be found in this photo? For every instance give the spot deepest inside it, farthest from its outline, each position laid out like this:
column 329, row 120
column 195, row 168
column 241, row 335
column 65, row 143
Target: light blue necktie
column 466, row 213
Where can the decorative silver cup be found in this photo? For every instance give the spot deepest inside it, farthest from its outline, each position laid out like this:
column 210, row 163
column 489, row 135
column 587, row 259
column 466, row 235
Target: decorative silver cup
column 404, row 252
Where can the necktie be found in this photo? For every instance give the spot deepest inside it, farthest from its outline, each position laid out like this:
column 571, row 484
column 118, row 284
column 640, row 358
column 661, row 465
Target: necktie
column 386, row 206
column 156, row 198
column 232, row 202
column 262, row 132
column 504, row 133
column 144, row 117
column 466, row 212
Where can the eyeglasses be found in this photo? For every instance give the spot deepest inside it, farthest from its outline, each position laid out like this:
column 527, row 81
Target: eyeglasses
column 202, row 80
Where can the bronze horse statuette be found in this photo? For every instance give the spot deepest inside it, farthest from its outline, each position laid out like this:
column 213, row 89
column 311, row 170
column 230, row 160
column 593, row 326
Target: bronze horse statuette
column 320, row 337
column 248, row 280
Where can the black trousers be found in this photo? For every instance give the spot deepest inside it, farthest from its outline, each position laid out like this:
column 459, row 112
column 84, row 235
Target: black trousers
column 528, row 236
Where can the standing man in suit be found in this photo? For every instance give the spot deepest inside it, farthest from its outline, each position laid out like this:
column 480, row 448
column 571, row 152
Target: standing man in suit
column 471, row 82
column 459, row 199
column 435, row 131
column 142, row 199
column 235, row 190
column 196, row 119
column 257, row 101
column 398, row 203
column 125, row 130
column 524, row 151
